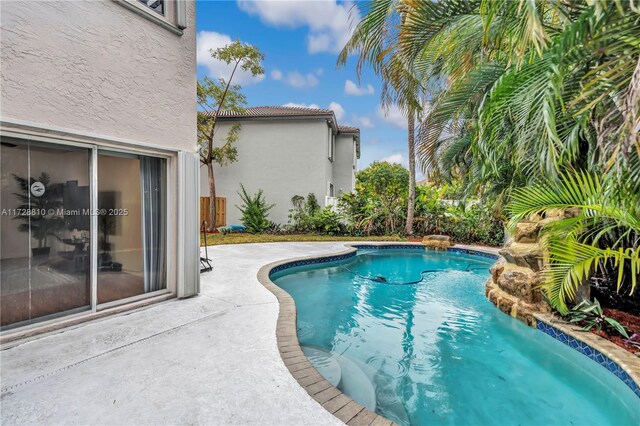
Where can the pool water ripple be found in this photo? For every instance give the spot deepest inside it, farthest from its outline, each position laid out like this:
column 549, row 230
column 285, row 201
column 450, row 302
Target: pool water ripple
column 437, row 352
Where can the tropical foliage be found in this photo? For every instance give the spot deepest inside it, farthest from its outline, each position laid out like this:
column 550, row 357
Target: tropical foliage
column 368, row 41
column 591, row 315
column 603, row 234
column 255, row 211
column 378, row 204
column 528, row 100
column 307, row 216
column 378, row 207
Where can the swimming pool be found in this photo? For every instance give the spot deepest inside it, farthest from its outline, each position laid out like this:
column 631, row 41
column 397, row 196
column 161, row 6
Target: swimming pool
column 410, row 335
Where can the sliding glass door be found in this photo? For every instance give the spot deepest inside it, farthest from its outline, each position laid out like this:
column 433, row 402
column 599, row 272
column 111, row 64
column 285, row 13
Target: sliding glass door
column 131, row 225
column 48, row 264
column 44, row 234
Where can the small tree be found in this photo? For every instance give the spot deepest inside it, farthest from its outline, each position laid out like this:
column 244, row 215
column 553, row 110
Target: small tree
column 215, row 96
column 255, row 211
column 379, row 199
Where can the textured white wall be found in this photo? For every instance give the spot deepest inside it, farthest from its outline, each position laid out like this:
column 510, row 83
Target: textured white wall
column 283, row 158
column 343, row 170
column 95, row 66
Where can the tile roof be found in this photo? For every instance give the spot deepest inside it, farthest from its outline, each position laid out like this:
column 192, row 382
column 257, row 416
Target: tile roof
column 277, row 111
column 286, row 111
column 348, row 129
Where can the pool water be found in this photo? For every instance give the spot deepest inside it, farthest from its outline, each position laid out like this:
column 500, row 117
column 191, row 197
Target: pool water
column 437, row 352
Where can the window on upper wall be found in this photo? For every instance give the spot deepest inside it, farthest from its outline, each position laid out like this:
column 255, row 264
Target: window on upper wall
column 332, row 145
column 331, row 190
column 155, row 5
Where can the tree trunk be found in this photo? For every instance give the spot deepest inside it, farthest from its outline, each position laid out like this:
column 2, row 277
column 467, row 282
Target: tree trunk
column 412, row 174
column 212, row 198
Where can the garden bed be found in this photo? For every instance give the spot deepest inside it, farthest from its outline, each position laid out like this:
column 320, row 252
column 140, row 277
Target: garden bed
column 630, row 322
column 245, row 238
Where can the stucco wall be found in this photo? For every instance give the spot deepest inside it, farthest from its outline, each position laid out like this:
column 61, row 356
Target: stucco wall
column 283, row 158
column 343, row 167
column 95, row 66
column 328, row 164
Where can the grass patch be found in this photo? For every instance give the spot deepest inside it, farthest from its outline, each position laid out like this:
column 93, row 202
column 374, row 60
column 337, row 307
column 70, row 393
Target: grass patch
column 243, row 238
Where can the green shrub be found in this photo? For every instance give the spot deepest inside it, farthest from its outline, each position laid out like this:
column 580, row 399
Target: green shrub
column 326, row 221
column 255, row 211
column 312, row 205
column 376, row 209
column 378, row 204
column 590, row 315
column 308, row 216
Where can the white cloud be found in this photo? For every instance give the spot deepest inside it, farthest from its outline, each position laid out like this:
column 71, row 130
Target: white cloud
column 329, row 23
column 360, row 121
column 338, row 110
column 207, row 40
column 351, row 88
column 276, row 74
column 400, row 158
column 297, row 105
column 319, row 72
column 395, row 158
column 364, row 122
column 298, row 80
column 393, row 116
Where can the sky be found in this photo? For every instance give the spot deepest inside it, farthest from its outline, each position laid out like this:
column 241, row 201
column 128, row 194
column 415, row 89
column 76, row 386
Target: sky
column 301, row 40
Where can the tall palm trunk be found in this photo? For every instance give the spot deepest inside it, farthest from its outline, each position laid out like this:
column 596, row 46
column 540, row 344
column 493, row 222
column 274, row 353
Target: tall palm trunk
column 412, row 173
column 212, row 197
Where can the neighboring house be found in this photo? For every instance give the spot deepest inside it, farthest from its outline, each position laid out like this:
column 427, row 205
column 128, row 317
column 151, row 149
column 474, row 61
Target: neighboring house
column 285, row 151
column 98, row 108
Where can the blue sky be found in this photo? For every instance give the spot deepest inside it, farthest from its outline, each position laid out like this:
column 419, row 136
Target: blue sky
column 300, row 41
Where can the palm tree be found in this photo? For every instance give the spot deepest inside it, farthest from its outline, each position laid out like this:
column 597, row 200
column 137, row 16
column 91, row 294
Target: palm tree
column 526, row 91
column 529, row 87
column 374, row 40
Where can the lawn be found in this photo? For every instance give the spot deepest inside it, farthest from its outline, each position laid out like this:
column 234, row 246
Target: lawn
column 242, row 238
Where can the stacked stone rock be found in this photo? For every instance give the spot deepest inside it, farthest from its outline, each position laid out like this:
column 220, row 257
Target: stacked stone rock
column 437, row 242
column 515, row 278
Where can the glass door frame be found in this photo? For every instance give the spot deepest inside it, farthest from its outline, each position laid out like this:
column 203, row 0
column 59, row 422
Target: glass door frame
column 171, row 162
column 94, row 258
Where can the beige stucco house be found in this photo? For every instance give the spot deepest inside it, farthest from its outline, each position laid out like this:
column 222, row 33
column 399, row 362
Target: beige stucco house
column 286, row 151
column 99, row 161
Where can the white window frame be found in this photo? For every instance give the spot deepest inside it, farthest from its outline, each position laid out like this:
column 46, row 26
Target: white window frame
column 179, row 14
column 331, row 145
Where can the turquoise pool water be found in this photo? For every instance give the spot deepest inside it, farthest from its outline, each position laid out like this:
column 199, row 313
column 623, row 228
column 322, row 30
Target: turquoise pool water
column 437, row 352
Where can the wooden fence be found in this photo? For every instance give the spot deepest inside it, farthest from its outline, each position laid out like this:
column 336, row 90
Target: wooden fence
column 221, row 210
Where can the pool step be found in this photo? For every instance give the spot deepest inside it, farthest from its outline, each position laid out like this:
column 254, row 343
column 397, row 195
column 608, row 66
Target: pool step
column 325, row 363
column 349, row 378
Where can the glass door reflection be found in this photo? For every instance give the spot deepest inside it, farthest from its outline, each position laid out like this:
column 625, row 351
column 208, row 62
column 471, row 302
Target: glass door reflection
column 131, row 225
column 44, row 233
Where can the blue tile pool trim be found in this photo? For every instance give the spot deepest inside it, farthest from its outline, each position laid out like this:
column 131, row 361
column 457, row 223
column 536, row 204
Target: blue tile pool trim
column 590, row 352
column 421, row 247
column 388, row 247
column 313, row 261
column 473, row 252
column 325, row 259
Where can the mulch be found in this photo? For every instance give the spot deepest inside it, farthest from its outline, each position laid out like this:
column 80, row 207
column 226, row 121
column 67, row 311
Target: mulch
column 629, row 321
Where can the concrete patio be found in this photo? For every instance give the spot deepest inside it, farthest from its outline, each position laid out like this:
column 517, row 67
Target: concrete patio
column 211, row 359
